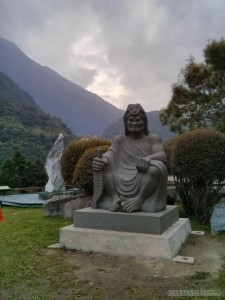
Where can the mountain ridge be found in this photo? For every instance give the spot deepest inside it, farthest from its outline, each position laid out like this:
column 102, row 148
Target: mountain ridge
column 85, row 113
column 57, row 95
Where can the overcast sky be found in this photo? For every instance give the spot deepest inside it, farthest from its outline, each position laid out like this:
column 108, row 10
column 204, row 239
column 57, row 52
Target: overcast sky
column 126, row 51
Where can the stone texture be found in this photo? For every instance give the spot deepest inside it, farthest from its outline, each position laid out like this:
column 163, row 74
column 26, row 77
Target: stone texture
column 55, row 246
column 184, row 259
column 166, row 245
column 76, row 204
column 198, row 232
column 55, row 206
column 53, row 169
column 142, row 222
column 64, row 205
column 131, row 175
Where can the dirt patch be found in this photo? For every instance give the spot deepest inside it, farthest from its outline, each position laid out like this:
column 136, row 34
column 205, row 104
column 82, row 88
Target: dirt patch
column 140, row 278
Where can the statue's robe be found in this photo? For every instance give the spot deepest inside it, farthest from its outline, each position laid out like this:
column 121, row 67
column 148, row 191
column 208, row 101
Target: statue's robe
column 122, row 157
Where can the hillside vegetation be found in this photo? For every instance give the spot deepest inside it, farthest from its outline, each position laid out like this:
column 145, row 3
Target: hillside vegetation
column 24, row 126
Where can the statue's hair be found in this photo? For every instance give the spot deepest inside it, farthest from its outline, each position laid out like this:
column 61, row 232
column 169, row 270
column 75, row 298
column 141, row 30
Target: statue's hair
column 135, row 110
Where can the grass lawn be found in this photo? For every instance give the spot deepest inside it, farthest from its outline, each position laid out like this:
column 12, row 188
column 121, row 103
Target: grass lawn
column 26, row 271
column 29, row 271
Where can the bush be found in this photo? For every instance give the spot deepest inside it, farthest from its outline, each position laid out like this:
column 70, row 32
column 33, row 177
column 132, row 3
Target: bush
column 74, row 151
column 198, row 164
column 83, row 175
column 168, row 146
column 20, row 172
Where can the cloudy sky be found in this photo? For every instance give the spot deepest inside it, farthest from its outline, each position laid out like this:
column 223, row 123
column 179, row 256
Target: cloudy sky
column 126, row 51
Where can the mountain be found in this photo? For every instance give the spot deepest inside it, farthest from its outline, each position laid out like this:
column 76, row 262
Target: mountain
column 23, row 124
column 84, row 113
column 154, row 126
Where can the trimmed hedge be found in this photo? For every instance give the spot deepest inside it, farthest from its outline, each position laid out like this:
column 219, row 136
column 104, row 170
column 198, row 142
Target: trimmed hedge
column 168, row 146
column 198, row 164
column 74, row 150
column 83, row 175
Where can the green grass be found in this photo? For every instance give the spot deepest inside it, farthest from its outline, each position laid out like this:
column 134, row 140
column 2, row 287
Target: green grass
column 195, row 224
column 27, row 271
column 199, row 276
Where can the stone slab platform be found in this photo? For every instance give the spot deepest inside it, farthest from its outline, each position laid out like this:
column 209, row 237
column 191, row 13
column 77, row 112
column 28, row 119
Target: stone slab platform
column 166, row 245
column 139, row 222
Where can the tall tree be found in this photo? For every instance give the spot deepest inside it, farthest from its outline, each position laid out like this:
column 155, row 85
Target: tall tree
column 198, row 98
column 21, row 172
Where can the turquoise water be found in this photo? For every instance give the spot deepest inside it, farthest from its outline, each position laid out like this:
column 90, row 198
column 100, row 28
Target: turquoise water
column 22, row 200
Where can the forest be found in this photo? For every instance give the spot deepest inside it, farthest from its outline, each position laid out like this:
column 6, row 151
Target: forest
column 24, row 126
column 25, row 129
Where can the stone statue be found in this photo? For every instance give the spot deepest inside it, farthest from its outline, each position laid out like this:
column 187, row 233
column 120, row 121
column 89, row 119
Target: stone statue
column 131, row 175
column 52, row 166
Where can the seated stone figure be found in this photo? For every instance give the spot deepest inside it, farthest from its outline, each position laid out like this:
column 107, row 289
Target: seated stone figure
column 134, row 174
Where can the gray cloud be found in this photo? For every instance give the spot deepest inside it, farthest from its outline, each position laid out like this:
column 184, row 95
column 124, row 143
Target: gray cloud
column 84, row 76
column 124, row 50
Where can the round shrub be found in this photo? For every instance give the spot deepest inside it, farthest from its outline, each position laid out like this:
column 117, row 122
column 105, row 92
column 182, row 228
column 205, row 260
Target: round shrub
column 73, row 152
column 198, row 164
column 83, row 176
column 168, row 146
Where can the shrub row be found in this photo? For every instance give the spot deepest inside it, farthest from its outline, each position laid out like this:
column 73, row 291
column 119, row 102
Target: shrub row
column 76, row 161
column 197, row 161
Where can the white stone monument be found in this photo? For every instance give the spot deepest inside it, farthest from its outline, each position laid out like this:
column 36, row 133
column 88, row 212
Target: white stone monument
column 52, row 166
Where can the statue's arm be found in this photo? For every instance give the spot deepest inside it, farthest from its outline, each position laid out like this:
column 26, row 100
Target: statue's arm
column 157, row 153
column 99, row 164
column 113, row 149
column 157, row 149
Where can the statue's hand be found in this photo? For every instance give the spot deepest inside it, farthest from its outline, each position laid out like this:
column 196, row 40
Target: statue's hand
column 143, row 165
column 98, row 164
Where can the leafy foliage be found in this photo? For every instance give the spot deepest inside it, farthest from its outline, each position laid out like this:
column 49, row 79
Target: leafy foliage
column 21, row 172
column 24, row 126
column 198, row 98
column 72, row 153
column 198, row 164
column 169, row 146
column 83, row 175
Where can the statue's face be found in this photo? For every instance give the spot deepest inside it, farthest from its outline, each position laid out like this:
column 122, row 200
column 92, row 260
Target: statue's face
column 135, row 124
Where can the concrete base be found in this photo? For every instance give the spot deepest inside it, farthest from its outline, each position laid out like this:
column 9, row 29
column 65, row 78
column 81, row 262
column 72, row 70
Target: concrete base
column 165, row 245
column 142, row 222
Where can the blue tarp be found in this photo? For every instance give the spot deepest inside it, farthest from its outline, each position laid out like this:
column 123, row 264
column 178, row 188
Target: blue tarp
column 23, row 200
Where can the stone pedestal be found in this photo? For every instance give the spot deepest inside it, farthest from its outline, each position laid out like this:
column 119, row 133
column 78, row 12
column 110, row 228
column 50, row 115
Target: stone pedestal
column 152, row 235
column 142, row 222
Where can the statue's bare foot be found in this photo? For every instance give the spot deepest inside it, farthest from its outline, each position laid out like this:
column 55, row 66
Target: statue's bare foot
column 130, row 205
column 115, row 204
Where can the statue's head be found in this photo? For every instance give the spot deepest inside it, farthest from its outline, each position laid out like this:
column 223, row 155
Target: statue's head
column 135, row 110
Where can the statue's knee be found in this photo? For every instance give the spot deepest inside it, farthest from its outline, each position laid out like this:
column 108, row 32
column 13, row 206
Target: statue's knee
column 154, row 172
column 108, row 179
column 107, row 175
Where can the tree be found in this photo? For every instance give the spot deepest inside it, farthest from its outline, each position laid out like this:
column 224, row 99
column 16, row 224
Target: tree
column 198, row 98
column 37, row 173
column 13, row 171
column 198, row 165
column 21, row 172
